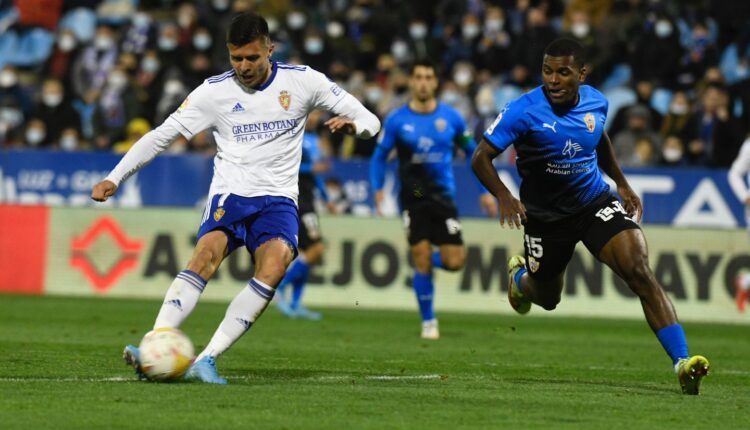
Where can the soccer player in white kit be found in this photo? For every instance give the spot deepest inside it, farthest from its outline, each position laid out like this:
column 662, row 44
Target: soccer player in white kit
column 737, row 175
column 257, row 113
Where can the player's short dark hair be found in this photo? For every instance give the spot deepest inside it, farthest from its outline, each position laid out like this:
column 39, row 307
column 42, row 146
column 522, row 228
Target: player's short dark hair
column 564, row 47
column 423, row 62
column 247, row 27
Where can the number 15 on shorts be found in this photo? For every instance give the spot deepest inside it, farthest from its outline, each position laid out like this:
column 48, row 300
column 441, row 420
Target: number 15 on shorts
column 534, row 246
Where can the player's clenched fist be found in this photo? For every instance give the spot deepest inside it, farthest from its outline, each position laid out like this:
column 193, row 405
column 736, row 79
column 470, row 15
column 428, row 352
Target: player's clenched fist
column 103, row 190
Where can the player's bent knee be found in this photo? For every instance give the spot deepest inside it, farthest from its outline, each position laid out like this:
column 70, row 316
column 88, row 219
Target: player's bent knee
column 454, row 263
column 549, row 304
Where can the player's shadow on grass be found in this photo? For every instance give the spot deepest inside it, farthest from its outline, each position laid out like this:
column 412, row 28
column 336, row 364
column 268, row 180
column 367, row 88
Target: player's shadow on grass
column 613, row 384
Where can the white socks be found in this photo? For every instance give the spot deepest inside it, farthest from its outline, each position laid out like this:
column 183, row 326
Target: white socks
column 180, row 299
column 242, row 312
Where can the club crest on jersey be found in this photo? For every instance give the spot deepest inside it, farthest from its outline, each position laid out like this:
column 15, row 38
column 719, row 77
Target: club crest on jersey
column 441, row 125
column 533, row 264
column 285, row 99
column 218, row 213
column 590, row 122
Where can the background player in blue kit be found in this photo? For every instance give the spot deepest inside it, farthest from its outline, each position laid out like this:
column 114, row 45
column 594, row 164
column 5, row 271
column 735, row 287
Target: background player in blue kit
column 558, row 132
column 310, row 240
column 425, row 133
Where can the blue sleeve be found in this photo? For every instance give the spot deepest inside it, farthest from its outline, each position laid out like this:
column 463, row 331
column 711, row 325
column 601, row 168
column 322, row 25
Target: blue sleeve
column 385, row 144
column 508, row 126
column 321, row 186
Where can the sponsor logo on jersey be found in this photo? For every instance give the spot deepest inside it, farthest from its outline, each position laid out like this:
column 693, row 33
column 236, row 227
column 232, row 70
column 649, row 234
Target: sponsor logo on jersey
column 499, row 118
column 590, row 122
column 285, row 99
column 218, row 214
column 533, row 264
column 336, row 90
column 238, row 108
column 571, row 148
column 441, row 125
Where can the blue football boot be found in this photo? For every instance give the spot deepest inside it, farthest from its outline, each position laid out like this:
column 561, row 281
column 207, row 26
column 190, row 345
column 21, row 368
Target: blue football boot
column 204, row 370
column 132, row 358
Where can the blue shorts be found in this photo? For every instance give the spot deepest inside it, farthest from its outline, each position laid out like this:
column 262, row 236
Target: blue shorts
column 252, row 221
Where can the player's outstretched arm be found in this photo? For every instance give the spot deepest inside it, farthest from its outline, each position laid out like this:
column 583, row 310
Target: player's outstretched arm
column 511, row 209
column 608, row 163
column 143, row 151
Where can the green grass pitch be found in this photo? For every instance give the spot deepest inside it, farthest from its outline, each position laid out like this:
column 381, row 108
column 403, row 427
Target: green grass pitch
column 60, row 367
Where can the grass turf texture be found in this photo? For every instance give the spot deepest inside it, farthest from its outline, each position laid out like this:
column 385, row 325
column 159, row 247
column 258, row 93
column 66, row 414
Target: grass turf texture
column 363, row 369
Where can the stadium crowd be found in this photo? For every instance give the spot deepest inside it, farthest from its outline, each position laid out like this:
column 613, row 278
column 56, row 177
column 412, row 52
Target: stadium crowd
column 98, row 74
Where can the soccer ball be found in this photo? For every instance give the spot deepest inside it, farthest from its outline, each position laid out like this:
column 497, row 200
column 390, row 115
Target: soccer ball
column 165, row 354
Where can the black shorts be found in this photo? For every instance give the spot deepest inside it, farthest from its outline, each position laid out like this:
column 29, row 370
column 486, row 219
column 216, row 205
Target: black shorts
column 309, row 229
column 434, row 222
column 549, row 246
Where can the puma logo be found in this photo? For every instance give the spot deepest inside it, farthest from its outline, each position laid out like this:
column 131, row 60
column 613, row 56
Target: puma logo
column 552, row 127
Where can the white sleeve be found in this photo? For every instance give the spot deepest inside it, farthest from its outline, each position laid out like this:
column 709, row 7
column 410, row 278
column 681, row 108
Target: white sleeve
column 144, row 150
column 738, row 172
column 331, row 97
column 196, row 113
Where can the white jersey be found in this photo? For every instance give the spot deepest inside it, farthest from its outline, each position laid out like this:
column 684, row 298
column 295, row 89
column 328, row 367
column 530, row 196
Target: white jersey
column 258, row 132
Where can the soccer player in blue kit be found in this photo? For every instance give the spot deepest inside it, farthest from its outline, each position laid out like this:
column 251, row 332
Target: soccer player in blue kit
column 425, row 133
column 310, row 245
column 558, row 133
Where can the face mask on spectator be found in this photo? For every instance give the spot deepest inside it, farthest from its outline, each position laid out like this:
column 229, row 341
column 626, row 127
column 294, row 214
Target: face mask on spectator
column 273, row 24
column 663, row 28
column 494, row 25
column 11, row 116
column 220, row 5
column 8, row 79
column 313, row 45
column 486, row 109
column 172, row 87
column 35, row 136
column 67, row 42
column 678, row 109
column 672, row 154
column 580, row 29
column 68, row 143
column 52, row 99
column 150, row 65
column 167, row 43
column 462, row 77
column 470, row 31
column 451, row 97
column 141, row 20
column 202, row 41
column 400, row 50
column 103, row 43
column 374, row 95
column 335, row 30
column 117, row 80
column 296, row 20
column 418, row 31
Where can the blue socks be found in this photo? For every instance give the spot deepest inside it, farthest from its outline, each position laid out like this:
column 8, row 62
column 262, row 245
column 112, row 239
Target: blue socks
column 437, row 262
column 673, row 341
column 297, row 276
column 424, row 289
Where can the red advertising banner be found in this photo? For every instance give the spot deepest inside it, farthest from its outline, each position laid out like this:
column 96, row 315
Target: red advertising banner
column 23, row 248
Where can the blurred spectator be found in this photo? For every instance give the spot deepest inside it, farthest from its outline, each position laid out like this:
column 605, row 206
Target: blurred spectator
column 494, row 47
column 657, row 54
column 644, row 90
column 679, row 120
column 337, row 196
column 673, row 152
column 135, row 129
column 56, row 111
column 93, row 66
column 35, row 135
column 638, row 126
column 719, row 134
column 117, row 104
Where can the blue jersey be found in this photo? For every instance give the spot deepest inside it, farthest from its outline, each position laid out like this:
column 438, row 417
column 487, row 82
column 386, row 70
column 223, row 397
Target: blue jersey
column 425, row 143
column 556, row 151
column 308, row 180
